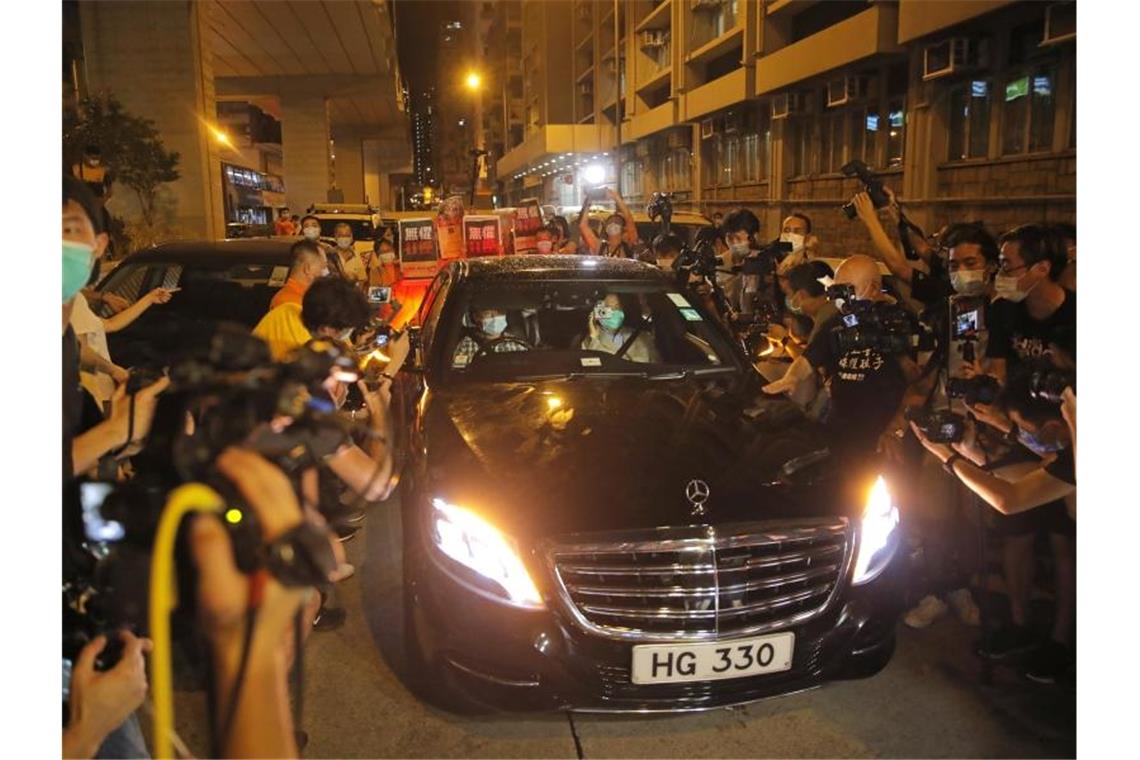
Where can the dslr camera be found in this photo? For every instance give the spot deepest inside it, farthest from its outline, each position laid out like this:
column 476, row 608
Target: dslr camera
column 877, row 325
column 871, row 184
column 1048, row 384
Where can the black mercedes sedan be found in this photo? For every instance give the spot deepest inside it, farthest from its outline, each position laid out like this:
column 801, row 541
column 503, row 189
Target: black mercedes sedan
column 601, row 511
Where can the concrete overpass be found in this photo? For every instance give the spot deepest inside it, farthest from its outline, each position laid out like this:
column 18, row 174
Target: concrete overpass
column 327, row 69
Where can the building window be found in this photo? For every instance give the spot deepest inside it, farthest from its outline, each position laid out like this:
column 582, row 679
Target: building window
column 631, row 178
column 896, row 131
column 750, row 163
column 801, row 148
column 675, row 170
column 1027, row 123
column 970, row 104
column 831, row 142
column 711, row 160
column 857, row 127
column 730, row 155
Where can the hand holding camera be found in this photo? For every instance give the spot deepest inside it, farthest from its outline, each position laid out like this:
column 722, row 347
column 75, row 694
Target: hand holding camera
column 100, row 700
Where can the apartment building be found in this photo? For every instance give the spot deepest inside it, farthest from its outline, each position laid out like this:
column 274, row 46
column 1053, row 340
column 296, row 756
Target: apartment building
column 967, row 108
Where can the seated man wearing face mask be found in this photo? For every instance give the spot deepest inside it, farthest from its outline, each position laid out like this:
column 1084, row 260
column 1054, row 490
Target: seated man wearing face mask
column 487, row 329
column 608, row 332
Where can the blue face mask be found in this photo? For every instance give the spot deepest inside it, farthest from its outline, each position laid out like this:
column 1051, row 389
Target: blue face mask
column 77, row 262
column 495, row 326
column 1036, row 445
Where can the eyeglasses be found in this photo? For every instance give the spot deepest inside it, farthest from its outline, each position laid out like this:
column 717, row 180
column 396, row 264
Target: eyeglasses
column 1006, row 269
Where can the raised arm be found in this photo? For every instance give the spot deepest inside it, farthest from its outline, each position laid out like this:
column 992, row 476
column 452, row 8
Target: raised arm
column 589, row 239
column 128, row 315
column 630, row 233
column 884, row 248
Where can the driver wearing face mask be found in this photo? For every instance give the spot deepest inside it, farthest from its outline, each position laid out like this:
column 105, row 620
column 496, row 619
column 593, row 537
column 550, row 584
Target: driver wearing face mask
column 607, row 331
column 485, row 331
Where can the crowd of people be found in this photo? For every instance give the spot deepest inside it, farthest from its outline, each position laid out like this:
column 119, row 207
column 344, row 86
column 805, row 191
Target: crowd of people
column 999, row 379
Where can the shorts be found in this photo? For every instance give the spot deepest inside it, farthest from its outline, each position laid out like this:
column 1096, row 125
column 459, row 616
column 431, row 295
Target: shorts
column 1052, row 518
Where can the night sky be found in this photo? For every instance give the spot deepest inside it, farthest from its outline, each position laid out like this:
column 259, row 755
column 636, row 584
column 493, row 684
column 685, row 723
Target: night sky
column 417, row 39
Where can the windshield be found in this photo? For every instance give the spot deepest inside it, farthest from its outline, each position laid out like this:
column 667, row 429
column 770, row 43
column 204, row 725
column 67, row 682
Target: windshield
column 530, row 330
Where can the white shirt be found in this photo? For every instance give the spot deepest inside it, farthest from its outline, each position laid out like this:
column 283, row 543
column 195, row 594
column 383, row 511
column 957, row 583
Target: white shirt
column 89, row 329
column 353, row 267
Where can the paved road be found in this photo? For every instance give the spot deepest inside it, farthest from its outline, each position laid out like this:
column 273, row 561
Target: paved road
column 927, row 703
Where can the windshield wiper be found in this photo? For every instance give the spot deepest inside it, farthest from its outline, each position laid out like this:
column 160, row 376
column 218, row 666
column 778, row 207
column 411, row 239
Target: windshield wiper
column 691, row 372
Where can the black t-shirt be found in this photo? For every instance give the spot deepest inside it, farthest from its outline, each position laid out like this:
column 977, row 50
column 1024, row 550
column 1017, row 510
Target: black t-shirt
column 1064, row 467
column 1017, row 337
column 867, row 386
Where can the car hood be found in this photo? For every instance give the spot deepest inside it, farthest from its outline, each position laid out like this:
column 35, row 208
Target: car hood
column 552, row 458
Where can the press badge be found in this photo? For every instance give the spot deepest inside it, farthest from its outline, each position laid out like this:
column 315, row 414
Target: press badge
column 691, row 315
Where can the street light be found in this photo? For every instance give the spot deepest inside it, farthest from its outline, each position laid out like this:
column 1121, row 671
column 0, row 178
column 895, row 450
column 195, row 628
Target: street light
column 473, row 80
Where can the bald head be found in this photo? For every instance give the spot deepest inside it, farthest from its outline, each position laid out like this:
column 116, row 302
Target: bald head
column 862, row 272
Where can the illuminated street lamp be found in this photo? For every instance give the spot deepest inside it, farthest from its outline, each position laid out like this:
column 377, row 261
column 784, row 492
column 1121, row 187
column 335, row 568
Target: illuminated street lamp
column 221, row 137
column 473, row 80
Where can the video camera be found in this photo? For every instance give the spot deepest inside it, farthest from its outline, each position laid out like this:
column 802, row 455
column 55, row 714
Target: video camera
column 877, row 325
column 221, row 394
column 871, row 184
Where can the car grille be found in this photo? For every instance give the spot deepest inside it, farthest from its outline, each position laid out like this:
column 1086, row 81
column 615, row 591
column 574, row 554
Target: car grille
column 702, row 583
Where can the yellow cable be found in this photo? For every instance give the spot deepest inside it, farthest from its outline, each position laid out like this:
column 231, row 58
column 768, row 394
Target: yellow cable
column 191, row 497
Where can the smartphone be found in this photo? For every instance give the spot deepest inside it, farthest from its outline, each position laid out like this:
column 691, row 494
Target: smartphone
column 379, row 294
column 92, row 495
column 383, row 335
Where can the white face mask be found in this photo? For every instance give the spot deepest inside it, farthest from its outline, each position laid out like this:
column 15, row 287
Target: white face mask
column 387, row 258
column 343, row 242
column 796, row 240
column 311, row 233
column 544, row 246
column 968, row 282
column 325, row 272
column 1005, row 286
column 345, row 336
column 739, row 250
column 613, row 230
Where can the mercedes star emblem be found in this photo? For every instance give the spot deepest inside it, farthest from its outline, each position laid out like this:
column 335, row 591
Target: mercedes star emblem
column 697, row 492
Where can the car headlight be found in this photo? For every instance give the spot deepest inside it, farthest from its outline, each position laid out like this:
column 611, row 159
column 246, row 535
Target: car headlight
column 474, row 543
column 877, row 536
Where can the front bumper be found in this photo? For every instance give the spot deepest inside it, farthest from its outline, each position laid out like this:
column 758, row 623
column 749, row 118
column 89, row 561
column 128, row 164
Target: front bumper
column 525, row 660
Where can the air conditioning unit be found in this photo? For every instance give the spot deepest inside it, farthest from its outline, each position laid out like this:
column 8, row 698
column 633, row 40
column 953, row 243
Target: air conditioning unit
column 654, row 39
column 785, row 104
column 1060, row 23
column 708, row 128
column 731, row 122
column 706, row 5
column 845, row 91
column 957, row 55
column 678, row 139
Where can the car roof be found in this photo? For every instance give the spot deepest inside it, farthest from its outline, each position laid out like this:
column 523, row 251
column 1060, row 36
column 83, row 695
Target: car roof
column 539, row 267
column 237, row 251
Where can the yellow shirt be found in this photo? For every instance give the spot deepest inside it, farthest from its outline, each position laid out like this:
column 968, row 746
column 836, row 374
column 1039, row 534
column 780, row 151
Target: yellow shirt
column 283, row 330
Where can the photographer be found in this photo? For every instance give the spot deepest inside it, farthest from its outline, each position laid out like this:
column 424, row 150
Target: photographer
column 1042, row 499
column 796, row 230
column 868, row 385
column 620, row 231
column 101, row 703
column 758, row 285
column 666, row 249
column 926, row 278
